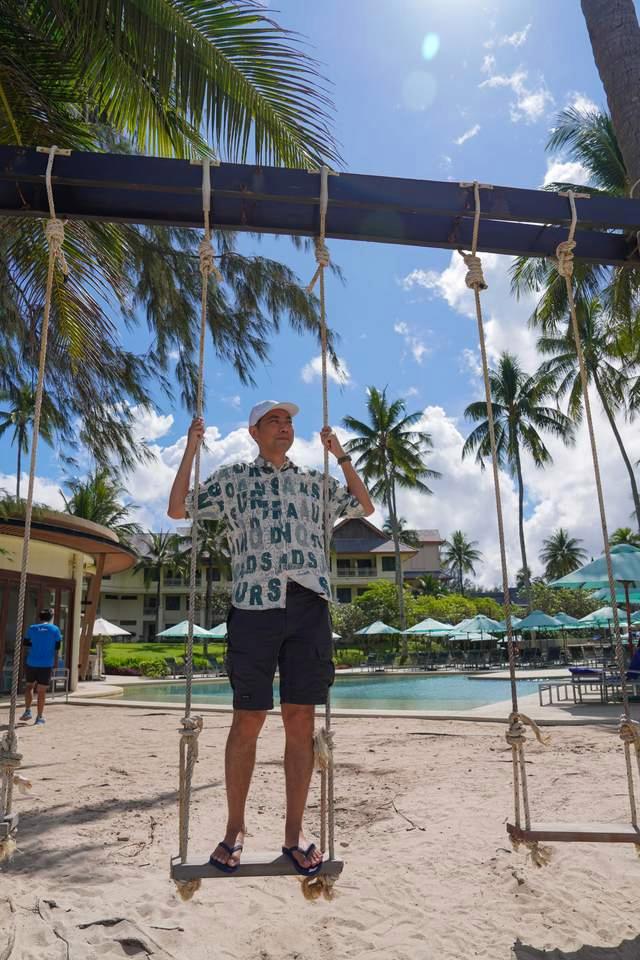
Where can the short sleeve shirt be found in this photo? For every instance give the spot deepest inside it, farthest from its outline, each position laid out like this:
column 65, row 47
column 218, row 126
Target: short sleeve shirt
column 42, row 641
column 276, row 525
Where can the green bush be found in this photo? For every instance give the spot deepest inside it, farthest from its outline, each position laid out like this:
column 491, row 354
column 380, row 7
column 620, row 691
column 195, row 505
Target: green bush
column 154, row 668
column 348, row 658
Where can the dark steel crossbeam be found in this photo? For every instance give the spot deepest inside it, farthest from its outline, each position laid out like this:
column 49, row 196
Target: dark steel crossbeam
column 135, row 189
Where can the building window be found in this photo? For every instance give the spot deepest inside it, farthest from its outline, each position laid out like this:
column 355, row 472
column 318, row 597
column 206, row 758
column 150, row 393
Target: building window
column 128, row 623
column 112, row 596
column 343, row 594
column 389, row 564
column 172, row 603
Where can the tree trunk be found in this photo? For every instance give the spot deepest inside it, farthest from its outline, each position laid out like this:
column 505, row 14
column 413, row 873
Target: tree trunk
column 523, row 549
column 159, row 570
column 621, row 447
column 393, row 516
column 460, row 579
column 615, row 40
column 19, row 467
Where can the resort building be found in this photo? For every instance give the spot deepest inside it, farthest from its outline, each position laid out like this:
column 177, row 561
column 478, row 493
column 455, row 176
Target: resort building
column 361, row 553
column 67, row 559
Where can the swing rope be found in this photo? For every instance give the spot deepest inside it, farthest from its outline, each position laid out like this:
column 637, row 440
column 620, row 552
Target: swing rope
column 517, row 721
column 10, row 757
column 629, row 730
column 192, row 725
column 315, row 887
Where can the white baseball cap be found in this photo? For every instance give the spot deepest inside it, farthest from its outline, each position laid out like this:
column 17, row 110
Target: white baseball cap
column 265, row 406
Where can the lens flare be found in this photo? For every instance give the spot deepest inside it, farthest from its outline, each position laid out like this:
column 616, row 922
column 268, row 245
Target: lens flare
column 430, row 46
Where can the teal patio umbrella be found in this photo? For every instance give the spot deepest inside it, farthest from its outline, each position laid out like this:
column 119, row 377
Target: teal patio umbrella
column 435, row 627
column 625, row 561
column 605, row 594
column 602, row 617
column 219, row 632
column 181, row 630
column 538, row 620
column 376, row 629
column 478, row 624
column 502, row 625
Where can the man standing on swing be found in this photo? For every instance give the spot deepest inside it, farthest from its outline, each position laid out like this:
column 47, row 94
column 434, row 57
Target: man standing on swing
column 280, row 614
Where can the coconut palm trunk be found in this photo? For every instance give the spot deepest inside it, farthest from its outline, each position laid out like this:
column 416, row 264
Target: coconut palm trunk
column 393, row 510
column 19, row 467
column 623, row 453
column 523, row 546
column 615, row 40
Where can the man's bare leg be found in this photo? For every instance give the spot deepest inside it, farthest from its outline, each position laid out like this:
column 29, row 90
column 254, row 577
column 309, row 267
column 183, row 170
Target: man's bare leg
column 28, row 695
column 298, row 722
column 41, row 694
column 239, row 761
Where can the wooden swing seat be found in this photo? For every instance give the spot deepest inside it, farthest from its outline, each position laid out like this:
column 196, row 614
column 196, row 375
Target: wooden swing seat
column 577, row 832
column 258, row 865
column 7, row 825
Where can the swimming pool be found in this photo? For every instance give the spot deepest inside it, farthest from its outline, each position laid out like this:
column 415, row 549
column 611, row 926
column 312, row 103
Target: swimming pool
column 361, row 692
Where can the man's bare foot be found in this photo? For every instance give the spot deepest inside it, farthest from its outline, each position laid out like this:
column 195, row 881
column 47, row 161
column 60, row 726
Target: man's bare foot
column 226, row 853
column 312, row 858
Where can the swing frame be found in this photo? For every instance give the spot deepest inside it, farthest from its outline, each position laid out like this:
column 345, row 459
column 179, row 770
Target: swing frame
column 515, row 222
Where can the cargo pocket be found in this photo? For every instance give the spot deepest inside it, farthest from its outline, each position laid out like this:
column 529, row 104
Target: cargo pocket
column 327, row 670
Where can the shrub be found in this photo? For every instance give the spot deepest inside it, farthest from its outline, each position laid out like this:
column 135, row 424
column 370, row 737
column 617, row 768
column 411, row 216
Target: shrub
column 348, row 658
column 153, row 668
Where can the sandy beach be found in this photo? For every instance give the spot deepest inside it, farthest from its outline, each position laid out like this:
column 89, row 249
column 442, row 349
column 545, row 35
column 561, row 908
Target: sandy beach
column 421, row 807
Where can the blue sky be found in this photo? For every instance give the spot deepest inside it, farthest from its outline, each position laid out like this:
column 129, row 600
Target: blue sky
column 426, row 89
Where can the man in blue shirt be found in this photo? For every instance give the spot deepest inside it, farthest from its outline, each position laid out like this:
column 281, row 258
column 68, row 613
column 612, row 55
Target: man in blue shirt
column 42, row 644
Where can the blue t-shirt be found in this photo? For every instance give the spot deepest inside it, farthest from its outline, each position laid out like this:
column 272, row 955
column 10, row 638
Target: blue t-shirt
column 42, row 640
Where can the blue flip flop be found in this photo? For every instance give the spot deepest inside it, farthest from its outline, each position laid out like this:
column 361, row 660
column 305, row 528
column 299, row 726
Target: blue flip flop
column 303, row 871
column 224, row 867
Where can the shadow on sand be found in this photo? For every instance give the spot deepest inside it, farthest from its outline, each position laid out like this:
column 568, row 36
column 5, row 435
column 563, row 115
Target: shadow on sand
column 627, row 950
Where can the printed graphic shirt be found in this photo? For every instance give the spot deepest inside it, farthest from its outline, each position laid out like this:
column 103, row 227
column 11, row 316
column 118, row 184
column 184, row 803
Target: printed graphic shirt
column 42, row 641
column 276, row 527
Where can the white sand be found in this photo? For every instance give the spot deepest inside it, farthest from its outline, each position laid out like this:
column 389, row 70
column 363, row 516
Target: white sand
column 421, row 807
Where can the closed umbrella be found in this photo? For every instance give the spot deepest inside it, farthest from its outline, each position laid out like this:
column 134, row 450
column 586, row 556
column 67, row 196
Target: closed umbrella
column 625, row 561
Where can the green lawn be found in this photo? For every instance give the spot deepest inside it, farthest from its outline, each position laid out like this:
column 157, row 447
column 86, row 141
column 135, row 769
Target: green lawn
column 117, row 653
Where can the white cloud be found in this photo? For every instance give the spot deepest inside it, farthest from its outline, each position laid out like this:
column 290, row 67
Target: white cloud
column 530, row 104
column 468, row 134
column 233, row 401
column 313, row 371
column 581, row 102
column 515, row 39
column 411, row 392
column 149, row 424
column 488, row 64
column 45, row 490
column 505, row 317
column 569, row 172
column 469, row 362
column 414, row 343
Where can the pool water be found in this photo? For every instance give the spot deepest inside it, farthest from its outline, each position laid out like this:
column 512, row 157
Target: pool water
column 361, row 692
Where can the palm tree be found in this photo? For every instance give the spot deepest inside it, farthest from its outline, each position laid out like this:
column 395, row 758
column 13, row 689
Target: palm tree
column 428, row 586
column 167, row 77
column 601, row 351
column 459, row 556
column 624, row 535
column 161, row 550
column 408, row 536
column 391, row 454
column 520, row 415
column 615, row 40
column 561, row 554
column 18, row 416
column 99, row 498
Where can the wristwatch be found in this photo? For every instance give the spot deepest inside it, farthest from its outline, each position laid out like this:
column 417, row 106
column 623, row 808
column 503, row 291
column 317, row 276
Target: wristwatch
column 345, row 459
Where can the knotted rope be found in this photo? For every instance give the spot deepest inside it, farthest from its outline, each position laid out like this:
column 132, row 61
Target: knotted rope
column 322, row 886
column 564, row 255
column 314, row 887
column 9, row 755
column 515, row 731
column 192, row 726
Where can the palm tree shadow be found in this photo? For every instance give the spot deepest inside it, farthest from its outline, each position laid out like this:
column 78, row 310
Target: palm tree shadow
column 627, row 950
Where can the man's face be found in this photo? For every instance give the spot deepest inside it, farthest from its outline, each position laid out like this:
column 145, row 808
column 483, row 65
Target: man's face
column 274, row 432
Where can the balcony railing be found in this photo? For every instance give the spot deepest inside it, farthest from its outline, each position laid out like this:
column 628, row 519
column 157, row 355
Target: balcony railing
column 367, row 573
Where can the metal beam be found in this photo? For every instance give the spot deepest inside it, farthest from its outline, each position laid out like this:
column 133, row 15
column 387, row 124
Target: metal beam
column 135, row 189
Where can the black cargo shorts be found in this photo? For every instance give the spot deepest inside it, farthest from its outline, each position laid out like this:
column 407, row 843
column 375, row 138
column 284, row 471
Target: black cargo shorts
column 296, row 639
